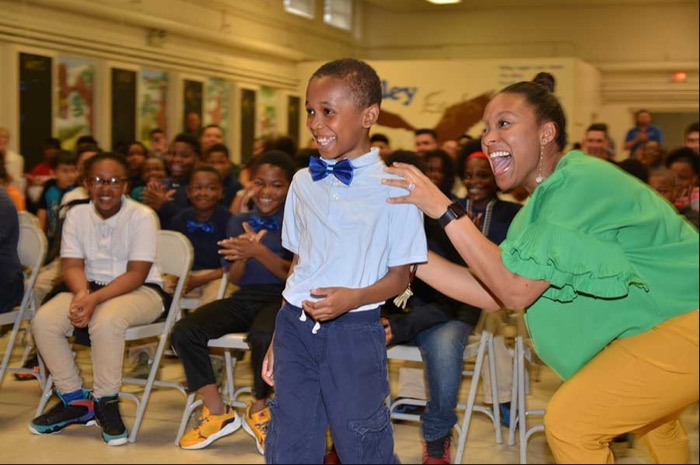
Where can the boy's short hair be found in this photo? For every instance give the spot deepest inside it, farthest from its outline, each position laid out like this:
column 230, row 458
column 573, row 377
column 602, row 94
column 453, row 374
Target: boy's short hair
column 379, row 137
column 282, row 142
column 361, row 78
column 684, row 154
column 279, row 159
column 693, row 127
column 64, row 157
column 156, row 131
column 207, row 169
column 51, row 143
column 665, row 172
column 86, row 140
column 636, row 168
column 217, row 148
column 602, row 127
column 189, row 140
column 405, row 156
column 431, row 132
column 114, row 156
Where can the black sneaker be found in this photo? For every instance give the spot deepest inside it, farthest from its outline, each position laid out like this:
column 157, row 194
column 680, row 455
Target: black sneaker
column 80, row 411
column 110, row 420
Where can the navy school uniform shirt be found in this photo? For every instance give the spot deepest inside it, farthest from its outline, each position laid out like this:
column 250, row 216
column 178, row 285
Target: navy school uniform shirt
column 203, row 236
column 255, row 272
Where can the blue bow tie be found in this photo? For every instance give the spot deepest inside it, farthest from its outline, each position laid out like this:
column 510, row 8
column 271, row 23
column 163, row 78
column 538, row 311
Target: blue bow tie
column 342, row 170
column 193, row 226
column 270, row 223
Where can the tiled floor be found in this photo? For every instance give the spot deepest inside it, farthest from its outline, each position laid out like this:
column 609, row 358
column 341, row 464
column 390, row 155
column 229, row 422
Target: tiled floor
column 155, row 444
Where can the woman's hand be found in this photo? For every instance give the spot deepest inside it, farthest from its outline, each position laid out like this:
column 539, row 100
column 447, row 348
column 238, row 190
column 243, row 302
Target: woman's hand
column 421, row 191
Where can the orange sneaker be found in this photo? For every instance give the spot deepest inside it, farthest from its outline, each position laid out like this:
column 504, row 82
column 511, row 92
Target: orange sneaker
column 255, row 424
column 210, row 428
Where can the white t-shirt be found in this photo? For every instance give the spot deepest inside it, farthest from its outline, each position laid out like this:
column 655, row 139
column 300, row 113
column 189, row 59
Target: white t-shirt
column 108, row 245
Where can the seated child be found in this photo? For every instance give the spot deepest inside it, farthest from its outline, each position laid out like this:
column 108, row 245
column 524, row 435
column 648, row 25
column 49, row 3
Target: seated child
column 169, row 198
column 153, row 169
column 218, row 156
column 258, row 265
column 204, row 224
column 65, row 168
column 108, row 255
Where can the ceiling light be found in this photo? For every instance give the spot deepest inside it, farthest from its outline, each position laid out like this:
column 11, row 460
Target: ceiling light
column 444, row 2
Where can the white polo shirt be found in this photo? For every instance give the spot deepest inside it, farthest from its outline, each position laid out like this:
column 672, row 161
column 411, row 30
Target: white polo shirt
column 108, row 245
column 348, row 236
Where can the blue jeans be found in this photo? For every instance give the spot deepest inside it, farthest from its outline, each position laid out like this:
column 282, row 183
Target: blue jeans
column 336, row 377
column 442, row 349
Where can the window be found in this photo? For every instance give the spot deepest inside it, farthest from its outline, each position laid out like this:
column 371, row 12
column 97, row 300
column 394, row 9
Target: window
column 303, row 8
column 338, row 13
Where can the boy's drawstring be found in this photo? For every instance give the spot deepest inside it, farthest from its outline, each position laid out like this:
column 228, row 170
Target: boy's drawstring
column 316, row 327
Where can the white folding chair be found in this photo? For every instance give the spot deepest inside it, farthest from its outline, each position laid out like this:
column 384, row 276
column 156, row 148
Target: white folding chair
column 519, row 413
column 228, row 343
column 478, row 349
column 26, row 217
column 31, row 249
column 175, row 255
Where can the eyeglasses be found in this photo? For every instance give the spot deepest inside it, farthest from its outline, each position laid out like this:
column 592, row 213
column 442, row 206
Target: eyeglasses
column 114, row 183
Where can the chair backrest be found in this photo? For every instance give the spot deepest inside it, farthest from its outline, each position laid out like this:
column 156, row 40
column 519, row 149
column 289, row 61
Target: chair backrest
column 32, row 249
column 26, row 217
column 175, row 257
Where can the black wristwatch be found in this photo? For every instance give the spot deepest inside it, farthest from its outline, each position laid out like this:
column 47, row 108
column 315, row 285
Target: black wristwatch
column 454, row 212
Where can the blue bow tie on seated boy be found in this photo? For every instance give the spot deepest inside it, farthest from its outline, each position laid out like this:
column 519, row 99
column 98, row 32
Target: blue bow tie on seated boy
column 319, row 169
column 269, row 223
column 193, row 226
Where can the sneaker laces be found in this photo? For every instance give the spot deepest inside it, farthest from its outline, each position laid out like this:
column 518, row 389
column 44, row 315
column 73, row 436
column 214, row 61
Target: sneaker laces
column 108, row 416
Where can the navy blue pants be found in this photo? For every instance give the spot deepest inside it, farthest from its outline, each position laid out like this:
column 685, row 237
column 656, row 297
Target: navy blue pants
column 336, row 377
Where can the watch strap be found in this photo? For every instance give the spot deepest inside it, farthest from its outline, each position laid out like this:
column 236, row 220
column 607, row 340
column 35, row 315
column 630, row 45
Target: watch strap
column 454, row 211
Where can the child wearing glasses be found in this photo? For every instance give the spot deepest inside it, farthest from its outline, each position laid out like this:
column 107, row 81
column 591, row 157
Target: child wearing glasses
column 108, row 254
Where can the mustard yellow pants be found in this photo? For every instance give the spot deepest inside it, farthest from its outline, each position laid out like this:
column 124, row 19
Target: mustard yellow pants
column 638, row 384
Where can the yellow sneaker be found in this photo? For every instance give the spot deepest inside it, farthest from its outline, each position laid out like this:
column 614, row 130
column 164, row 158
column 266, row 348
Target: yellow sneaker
column 255, row 424
column 210, row 428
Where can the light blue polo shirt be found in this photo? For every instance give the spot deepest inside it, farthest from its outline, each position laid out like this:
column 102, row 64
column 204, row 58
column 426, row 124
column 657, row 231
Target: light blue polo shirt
column 348, row 236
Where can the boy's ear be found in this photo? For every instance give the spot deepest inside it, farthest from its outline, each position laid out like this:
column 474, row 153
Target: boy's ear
column 370, row 115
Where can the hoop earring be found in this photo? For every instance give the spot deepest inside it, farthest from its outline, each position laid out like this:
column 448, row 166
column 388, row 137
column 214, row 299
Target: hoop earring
column 540, row 177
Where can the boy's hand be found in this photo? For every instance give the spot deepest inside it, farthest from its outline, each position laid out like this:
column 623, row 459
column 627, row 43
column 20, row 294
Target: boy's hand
column 336, row 301
column 155, row 194
column 195, row 281
column 245, row 246
column 268, row 365
column 81, row 309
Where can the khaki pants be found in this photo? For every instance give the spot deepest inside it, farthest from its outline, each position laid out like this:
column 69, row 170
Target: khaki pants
column 637, row 384
column 51, row 327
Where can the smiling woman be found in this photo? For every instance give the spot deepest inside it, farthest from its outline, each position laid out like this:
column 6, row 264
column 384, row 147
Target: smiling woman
column 602, row 289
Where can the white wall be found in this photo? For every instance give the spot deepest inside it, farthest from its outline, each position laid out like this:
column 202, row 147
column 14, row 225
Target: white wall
column 626, row 52
column 436, row 84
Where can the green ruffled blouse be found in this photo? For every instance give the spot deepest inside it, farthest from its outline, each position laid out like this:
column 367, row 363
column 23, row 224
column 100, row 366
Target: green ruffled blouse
column 619, row 258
